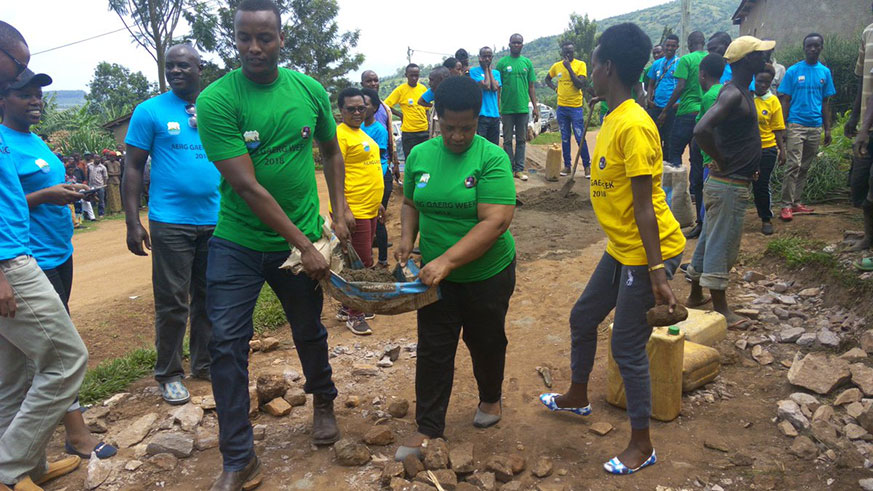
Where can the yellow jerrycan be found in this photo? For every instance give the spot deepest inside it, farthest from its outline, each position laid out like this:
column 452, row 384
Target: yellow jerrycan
column 554, row 161
column 700, row 366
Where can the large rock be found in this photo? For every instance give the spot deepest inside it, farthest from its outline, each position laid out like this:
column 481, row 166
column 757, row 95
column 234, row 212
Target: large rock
column 803, row 448
column 818, row 372
column 790, row 334
column 188, row 416
column 392, row 470
column 828, row 338
column 399, row 408
column 178, row 444
column 865, row 419
column 866, row 484
column 542, row 467
column 517, row 462
column 823, row 413
column 270, row 386
column 862, row 376
column 854, row 354
column 205, row 439
column 483, row 480
column 98, row 472
column 500, row 466
column 164, row 461
column 447, row 479
column 787, row 429
column 295, row 396
column 790, row 411
column 133, row 432
column 803, row 399
column 351, row 453
column 848, row 396
column 412, row 466
column 461, row 458
column 278, row 407
column 379, row 435
column 866, row 341
column 825, row 433
column 435, row 454
column 854, row 432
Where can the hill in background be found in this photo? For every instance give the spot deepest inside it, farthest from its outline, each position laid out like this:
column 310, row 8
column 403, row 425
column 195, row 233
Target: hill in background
column 708, row 16
column 66, row 99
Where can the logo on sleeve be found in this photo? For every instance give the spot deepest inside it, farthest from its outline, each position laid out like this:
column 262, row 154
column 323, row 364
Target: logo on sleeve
column 43, row 165
column 422, row 181
column 470, row 182
column 765, row 112
column 602, row 163
column 305, row 132
column 253, row 139
column 801, row 78
column 366, row 146
column 410, row 101
column 173, row 128
column 509, row 69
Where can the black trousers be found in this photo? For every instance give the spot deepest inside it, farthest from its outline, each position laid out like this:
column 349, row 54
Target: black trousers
column 761, row 187
column 664, row 131
column 410, row 139
column 489, row 128
column 480, row 309
column 861, row 178
column 61, row 279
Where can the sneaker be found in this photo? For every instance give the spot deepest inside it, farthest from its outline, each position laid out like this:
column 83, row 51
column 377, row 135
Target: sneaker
column 565, row 172
column 174, row 393
column 520, row 175
column 369, row 317
column 799, row 209
column 358, row 325
column 342, row 314
column 786, row 214
column 588, row 173
column 767, row 228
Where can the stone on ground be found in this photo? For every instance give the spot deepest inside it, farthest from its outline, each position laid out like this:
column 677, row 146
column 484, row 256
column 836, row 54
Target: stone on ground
column 278, row 407
column 865, row 419
column 436, row 454
column 164, row 461
column 787, row 428
column 854, row 409
column 791, row 334
column 762, row 356
column 542, row 467
column 399, row 408
column 803, row 448
column 500, row 466
column 818, row 372
column 379, row 435
column 600, row 428
column 848, row 396
column 854, row 354
column 828, row 338
column 205, row 439
column 180, row 445
column 862, row 376
column 353, row 401
column 517, row 462
column 259, row 432
column 254, row 403
column 270, row 386
column 188, row 416
column 823, row 413
column 364, row 370
column 133, row 432
column 483, row 480
column 461, row 458
column 866, row 484
column 788, row 410
column 98, row 472
column 397, row 484
column 269, row 344
column 295, row 396
column 447, row 479
column 806, row 339
column 854, row 432
column 866, row 341
column 412, row 466
column 392, row 470
column 351, row 453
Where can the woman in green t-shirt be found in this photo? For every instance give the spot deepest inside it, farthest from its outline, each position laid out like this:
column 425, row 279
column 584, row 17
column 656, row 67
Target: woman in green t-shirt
column 459, row 196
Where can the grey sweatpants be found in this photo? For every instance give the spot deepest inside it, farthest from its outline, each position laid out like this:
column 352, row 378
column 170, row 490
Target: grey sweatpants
column 626, row 289
column 43, row 334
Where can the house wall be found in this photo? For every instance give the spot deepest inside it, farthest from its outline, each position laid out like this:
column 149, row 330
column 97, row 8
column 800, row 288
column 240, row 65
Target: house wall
column 120, row 132
column 789, row 21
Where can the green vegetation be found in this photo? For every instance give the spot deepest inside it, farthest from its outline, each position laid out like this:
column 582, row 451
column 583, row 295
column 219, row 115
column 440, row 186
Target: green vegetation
column 547, row 138
column 268, row 315
column 798, row 252
column 113, row 376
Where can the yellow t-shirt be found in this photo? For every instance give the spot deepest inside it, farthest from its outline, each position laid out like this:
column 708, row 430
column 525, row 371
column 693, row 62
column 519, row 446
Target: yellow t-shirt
column 568, row 94
column 769, row 118
column 628, row 145
column 414, row 116
column 364, row 182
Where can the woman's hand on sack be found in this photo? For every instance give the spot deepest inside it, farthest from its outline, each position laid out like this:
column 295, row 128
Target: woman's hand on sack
column 402, row 252
column 314, row 264
column 435, row 271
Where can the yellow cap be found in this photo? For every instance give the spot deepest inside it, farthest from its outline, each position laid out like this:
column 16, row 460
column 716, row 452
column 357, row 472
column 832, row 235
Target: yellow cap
column 744, row 45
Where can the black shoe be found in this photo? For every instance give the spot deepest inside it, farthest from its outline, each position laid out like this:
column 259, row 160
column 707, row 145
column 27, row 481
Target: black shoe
column 767, row 228
column 416, row 250
column 324, row 428
column 694, row 232
column 246, row 479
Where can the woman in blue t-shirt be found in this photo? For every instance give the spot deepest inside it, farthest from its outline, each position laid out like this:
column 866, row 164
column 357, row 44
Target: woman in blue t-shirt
column 43, row 180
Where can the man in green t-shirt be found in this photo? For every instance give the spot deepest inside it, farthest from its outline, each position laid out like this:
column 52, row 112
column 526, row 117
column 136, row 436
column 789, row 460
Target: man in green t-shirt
column 257, row 124
column 518, row 76
column 682, row 135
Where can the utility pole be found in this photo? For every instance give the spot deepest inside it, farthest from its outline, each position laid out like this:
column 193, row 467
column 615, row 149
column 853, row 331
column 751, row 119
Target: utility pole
column 409, row 55
column 685, row 12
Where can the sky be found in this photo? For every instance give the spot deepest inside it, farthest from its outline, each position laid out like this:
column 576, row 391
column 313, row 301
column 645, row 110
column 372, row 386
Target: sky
column 438, row 27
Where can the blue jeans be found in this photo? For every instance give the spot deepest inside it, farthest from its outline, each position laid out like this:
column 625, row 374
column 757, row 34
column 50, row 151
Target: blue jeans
column 719, row 242
column 573, row 119
column 489, row 128
column 234, row 277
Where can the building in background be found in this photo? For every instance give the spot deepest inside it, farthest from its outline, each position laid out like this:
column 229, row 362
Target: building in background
column 789, row 21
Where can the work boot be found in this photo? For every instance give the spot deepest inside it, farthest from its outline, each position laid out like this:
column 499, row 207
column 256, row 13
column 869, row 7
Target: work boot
column 324, row 429
column 864, row 244
column 246, row 479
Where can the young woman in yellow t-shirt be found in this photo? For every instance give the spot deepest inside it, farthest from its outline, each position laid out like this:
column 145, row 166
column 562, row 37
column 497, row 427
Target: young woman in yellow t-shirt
column 644, row 249
column 364, row 187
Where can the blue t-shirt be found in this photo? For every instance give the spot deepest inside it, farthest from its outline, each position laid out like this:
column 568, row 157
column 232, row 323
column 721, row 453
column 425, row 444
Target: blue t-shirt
column 14, row 215
column 666, row 83
column 727, row 75
column 379, row 135
column 184, row 184
column 808, row 85
column 428, row 96
column 51, row 226
column 489, row 97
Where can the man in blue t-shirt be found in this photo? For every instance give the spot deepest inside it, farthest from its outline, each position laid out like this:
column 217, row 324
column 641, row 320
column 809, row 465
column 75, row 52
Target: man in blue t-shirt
column 42, row 357
column 183, row 210
column 377, row 132
column 805, row 94
column 436, row 77
column 661, row 85
column 370, row 80
column 490, row 83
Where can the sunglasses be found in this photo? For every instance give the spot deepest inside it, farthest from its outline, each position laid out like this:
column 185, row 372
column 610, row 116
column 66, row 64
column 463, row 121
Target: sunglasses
column 191, row 110
column 19, row 66
column 356, row 109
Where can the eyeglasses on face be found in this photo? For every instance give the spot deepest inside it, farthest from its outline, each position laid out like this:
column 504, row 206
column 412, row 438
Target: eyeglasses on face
column 355, row 109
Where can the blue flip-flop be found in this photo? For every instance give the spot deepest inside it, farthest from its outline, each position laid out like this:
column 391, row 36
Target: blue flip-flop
column 103, row 450
column 614, row 466
column 548, row 400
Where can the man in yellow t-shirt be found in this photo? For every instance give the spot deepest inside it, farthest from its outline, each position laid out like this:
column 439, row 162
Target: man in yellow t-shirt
column 771, row 125
column 570, row 74
column 414, row 129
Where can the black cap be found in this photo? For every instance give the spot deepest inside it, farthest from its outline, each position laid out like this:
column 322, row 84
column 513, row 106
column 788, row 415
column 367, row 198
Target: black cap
column 27, row 77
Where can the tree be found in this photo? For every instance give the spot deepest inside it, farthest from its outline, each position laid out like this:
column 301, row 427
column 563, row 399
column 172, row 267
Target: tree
column 114, row 89
column 151, row 23
column 583, row 33
column 313, row 42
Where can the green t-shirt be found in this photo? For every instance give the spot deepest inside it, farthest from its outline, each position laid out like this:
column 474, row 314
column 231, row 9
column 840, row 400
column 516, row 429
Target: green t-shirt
column 446, row 189
column 706, row 102
column 516, row 74
column 275, row 124
column 688, row 68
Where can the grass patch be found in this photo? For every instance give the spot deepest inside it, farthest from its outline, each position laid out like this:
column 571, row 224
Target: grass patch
column 268, row 315
column 547, row 138
column 114, row 376
column 798, row 252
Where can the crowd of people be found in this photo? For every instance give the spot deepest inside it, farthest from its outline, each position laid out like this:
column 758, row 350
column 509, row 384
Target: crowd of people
column 231, row 182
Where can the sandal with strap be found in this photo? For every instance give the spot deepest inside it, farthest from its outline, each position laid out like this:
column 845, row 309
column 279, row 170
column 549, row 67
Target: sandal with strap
column 548, row 400
column 865, row 264
column 614, row 466
column 103, row 451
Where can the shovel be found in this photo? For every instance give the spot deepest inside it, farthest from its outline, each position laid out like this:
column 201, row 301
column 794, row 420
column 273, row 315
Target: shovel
column 568, row 186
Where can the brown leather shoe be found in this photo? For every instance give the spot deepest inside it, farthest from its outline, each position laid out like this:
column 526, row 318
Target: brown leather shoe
column 25, row 485
column 58, row 469
column 247, row 479
column 324, row 428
